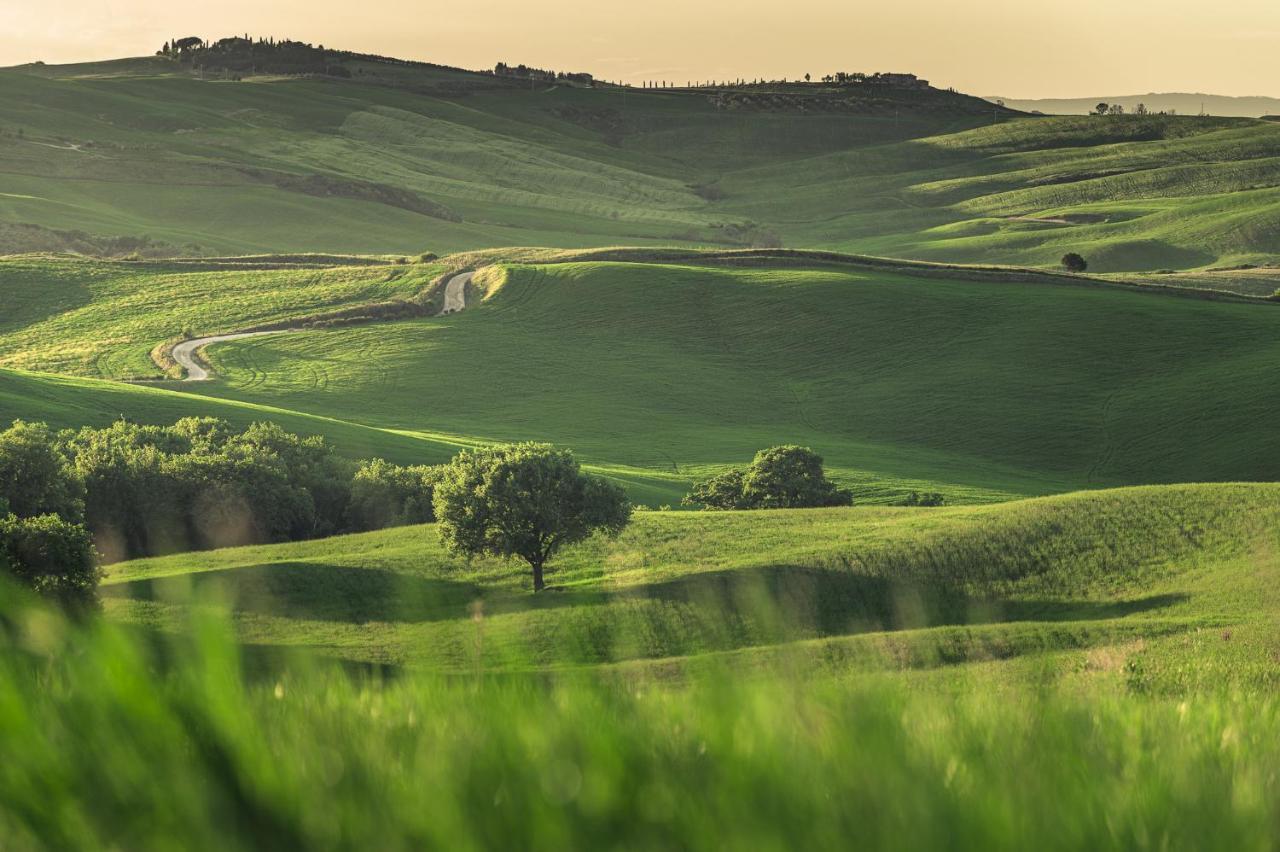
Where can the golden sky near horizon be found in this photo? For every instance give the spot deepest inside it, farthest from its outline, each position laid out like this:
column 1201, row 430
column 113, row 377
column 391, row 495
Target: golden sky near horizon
column 1016, row 48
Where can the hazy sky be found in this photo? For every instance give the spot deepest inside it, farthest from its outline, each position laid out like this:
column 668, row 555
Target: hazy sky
column 1019, row 48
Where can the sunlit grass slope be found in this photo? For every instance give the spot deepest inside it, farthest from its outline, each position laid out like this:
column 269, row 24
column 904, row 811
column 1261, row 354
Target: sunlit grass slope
column 68, row 402
column 1129, row 193
column 980, row 389
column 277, row 164
column 102, row 319
column 831, row 590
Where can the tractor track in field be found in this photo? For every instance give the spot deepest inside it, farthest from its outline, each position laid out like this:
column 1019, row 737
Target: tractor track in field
column 188, row 353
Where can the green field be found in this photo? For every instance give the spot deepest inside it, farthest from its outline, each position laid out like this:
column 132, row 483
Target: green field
column 1159, row 572
column 408, row 159
column 1078, row 650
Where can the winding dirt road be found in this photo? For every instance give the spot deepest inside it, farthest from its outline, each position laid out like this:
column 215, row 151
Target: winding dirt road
column 186, row 352
column 455, row 293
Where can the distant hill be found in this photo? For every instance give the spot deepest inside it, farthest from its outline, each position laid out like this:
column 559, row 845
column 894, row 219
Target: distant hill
column 251, row 147
column 1183, row 103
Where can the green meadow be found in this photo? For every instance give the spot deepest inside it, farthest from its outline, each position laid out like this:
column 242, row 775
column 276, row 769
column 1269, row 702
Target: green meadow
column 1077, row 650
column 823, row 592
column 1090, row 670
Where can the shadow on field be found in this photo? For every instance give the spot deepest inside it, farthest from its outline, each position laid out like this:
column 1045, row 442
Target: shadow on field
column 312, row 590
column 716, row 610
column 783, row 599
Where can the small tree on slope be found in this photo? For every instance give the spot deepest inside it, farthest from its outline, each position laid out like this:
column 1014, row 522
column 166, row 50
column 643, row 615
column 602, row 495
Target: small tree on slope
column 526, row 500
column 1073, row 262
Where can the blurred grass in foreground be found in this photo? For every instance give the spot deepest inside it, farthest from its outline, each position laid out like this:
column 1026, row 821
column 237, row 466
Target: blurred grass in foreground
column 115, row 739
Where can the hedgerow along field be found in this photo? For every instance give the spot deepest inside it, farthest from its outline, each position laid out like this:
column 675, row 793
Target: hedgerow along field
column 445, row 160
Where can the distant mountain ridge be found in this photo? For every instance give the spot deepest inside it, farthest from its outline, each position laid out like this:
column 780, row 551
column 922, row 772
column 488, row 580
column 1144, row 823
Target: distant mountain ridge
column 1184, row 103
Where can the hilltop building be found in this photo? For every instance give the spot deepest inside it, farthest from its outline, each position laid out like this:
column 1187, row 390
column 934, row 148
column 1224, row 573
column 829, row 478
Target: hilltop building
column 901, row 81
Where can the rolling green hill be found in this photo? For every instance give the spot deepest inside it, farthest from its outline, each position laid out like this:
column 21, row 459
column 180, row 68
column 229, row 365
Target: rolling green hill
column 400, row 159
column 983, row 385
column 981, row 389
column 861, row 588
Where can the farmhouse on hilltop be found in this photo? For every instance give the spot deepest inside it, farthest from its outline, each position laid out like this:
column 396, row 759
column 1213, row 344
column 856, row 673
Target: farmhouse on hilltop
column 902, row 81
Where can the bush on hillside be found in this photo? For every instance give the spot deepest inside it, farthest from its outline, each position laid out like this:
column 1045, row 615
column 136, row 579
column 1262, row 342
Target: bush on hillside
column 52, row 556
column 722, row 491
column 1073, row 262
column 36, row 478
column 388, row 495
column 527, row 500
column 926, row 498
column 783, row 477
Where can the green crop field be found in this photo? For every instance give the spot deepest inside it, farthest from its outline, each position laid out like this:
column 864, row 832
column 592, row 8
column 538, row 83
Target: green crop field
column 1078, row 649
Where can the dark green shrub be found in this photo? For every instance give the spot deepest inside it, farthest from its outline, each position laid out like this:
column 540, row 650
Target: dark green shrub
column 1073, row 262
column 722, row 491
column 927, row 498
column 35, row 476
column 51, row 556
column 783, row 477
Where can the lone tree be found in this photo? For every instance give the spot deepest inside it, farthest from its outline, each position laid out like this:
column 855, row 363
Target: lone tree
column 526, row 500
column 1073, row 262
column 785, row 477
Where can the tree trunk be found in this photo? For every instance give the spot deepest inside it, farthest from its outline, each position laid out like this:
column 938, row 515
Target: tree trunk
column 538, row 585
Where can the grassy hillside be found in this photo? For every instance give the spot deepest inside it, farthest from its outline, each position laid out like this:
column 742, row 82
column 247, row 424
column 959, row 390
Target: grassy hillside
column 980, row 389
column 402, row 159
column 811, row 590
column 65, row 402
column 102, row 319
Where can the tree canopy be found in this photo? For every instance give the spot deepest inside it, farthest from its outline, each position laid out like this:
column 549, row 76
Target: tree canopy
column 1073, row 262
column 527, row 500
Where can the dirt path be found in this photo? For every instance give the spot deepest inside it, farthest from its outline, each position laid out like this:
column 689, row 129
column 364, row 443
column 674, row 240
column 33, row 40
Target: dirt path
column 186, row 352
column 455, row 293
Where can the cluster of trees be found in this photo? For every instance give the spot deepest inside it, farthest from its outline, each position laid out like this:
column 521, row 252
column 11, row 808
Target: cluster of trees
column 139, row 490
column 546, row 75
column 44, row 544
column 261, row 56
column 1105, row 108
column 136, row 490
column 784, row 477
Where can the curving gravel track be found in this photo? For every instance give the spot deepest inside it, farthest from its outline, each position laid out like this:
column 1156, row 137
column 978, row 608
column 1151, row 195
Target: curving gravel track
column 185, row 353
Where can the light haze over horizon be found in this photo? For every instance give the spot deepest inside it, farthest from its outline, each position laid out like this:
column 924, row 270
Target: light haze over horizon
column 983, row 47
